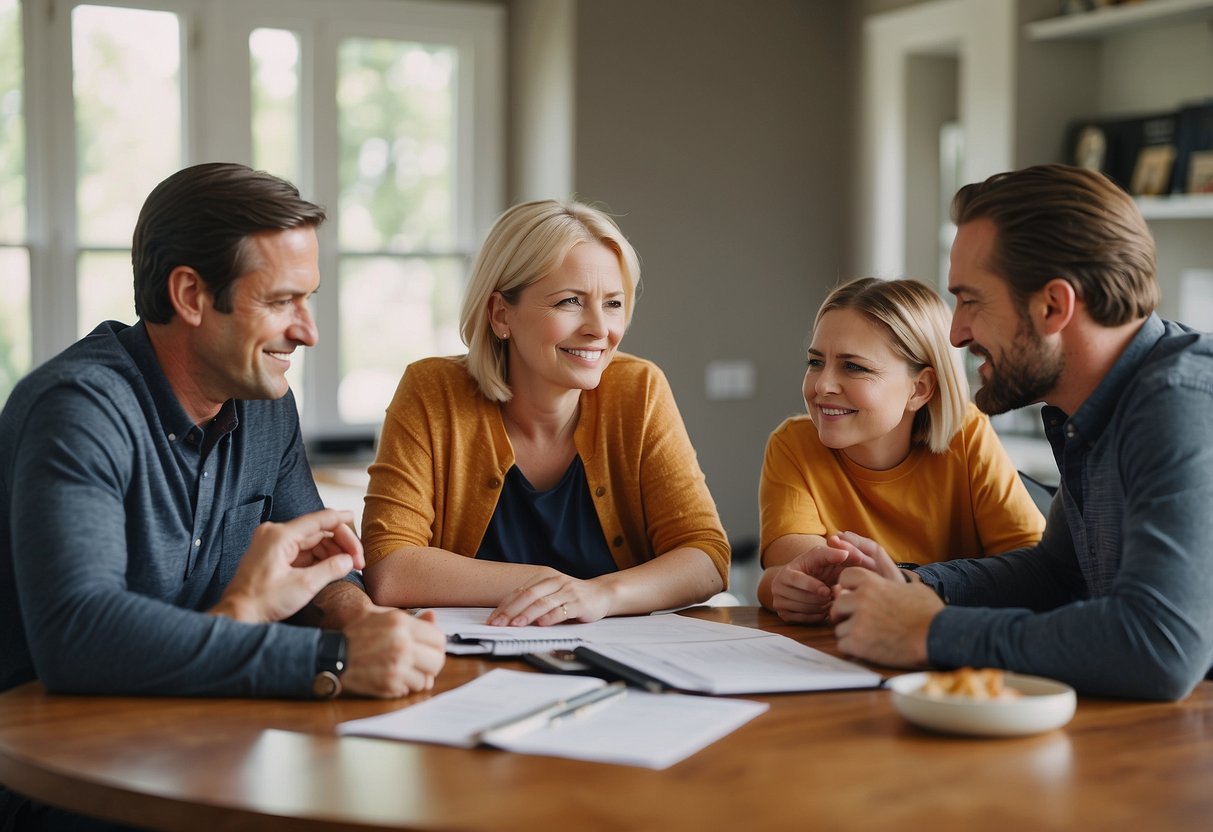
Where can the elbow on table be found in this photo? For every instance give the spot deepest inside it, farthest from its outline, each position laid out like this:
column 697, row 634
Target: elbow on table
column 1155, row 680
column 1178, row 683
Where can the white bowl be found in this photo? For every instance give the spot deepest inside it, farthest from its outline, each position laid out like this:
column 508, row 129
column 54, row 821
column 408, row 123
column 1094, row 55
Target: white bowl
column 1045, row 704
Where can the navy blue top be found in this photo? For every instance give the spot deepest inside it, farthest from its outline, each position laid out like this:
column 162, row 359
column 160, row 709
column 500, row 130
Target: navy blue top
column 121, row 521
column 557, row 528
column 1117, row 598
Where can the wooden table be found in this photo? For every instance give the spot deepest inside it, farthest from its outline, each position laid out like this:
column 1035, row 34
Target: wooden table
column 840, row 760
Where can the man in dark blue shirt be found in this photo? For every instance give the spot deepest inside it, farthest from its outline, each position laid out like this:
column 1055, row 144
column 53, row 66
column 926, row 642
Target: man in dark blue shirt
column 158, row 517
column 1053, row 273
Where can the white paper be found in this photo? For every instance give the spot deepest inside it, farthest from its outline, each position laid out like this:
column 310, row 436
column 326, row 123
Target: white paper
column 650, row 730
column 638, row 729
column 469, row 623
column 770, row 664
column 457, row 716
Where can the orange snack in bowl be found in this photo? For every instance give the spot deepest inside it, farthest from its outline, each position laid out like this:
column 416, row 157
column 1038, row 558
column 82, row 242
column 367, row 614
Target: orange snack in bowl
column 984, row 684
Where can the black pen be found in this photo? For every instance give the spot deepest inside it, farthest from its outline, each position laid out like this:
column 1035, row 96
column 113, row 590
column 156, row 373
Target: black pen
column 618, row 670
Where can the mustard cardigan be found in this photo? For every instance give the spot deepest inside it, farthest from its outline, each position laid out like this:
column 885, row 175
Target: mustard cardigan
column 443, row 456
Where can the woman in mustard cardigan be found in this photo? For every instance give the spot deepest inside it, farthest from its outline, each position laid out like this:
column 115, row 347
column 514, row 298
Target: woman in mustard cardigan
column 543, row 474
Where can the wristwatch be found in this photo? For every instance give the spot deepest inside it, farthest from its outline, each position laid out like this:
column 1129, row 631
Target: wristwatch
column 908, row 567
column 330, row 664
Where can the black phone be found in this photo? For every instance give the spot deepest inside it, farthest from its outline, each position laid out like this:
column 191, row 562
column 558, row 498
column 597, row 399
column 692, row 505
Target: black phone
column 557, row 661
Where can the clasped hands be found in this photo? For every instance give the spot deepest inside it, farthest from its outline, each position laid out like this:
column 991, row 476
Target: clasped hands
column 852, row 582
column 553, row 598
column 390, row 653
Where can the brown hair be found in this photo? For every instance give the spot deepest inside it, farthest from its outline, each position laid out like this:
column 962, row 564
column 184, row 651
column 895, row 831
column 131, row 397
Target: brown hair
column 1061, row 221
column 202, row 217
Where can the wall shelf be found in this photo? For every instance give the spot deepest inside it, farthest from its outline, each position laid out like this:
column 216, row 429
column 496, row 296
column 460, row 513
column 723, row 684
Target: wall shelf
column 1113, row 20
column 1180, row 207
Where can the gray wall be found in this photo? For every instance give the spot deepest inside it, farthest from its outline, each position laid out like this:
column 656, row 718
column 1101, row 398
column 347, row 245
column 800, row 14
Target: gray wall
column 718, row 132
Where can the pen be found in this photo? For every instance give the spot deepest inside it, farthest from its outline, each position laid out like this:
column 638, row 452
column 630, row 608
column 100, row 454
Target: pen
column 581, row 705
column 619, row 670
column 545, row 714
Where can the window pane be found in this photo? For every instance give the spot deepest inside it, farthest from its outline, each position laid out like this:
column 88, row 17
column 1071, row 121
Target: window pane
column 106, row 289
column 14, row 318
column 275, row 72
column 393, row 311
column 397, row 155
column 127, row 71
column 12, row 135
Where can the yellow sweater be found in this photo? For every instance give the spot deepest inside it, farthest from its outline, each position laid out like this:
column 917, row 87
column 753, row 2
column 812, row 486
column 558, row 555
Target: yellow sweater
column 444, row 453
column 966, row 502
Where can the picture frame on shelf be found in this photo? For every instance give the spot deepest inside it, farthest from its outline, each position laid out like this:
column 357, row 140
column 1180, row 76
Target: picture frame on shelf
column 1112, row 145
column 1193, row 136
column 1200, row 172
column 1152, row 170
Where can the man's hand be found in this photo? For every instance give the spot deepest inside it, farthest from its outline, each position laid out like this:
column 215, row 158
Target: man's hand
column 392, row 654
column 884, row 619
column 288, row 563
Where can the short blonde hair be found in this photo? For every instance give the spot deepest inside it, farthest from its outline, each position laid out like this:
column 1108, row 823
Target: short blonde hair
column 917, row 322
column 526, row 243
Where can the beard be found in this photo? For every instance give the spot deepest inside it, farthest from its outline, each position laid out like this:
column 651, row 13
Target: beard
column 1026, row 372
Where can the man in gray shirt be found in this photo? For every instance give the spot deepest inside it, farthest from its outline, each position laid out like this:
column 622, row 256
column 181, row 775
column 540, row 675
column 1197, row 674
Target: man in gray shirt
column 158, row 517
column 1053, row 273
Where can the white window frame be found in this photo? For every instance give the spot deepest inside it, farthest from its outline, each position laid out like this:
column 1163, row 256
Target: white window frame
column 216, row 112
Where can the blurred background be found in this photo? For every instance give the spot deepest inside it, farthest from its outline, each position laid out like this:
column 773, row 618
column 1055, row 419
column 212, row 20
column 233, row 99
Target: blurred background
column 756, row 152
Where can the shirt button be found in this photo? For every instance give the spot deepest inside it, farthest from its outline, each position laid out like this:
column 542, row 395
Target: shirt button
column 494, row 483
column 599, row 491
column 205, row 475
column 172, row 437
column 618, row 541
column 197, row 543
column 1070, row 432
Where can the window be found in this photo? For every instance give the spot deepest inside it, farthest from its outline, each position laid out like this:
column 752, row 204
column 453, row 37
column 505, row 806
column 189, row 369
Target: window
column 387, row 112
column 14, row 255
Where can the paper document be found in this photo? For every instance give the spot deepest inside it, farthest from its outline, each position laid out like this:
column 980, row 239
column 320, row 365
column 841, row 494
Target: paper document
column 639, row 729
column 467, row 632
column 771, row 664
column 681, row 652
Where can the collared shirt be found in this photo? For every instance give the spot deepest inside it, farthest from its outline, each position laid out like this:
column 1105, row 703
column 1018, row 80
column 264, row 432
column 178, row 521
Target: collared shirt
column 1117, row 598
column 121, row 521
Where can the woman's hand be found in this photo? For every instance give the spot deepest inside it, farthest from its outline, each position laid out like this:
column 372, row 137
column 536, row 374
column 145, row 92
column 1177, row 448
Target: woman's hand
column 801, row 590
column 554, row 599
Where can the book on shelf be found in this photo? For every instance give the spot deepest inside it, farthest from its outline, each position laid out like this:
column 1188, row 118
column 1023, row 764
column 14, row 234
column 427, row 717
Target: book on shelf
column 1194, row 150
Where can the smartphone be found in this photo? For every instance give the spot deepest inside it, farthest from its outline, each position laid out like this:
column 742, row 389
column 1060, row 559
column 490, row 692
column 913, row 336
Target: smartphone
column 557, row 661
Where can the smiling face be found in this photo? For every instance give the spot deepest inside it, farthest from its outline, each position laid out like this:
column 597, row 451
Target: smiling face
column 860, row 393
column 245, row 353
column 1020, row 367
column 564, row 328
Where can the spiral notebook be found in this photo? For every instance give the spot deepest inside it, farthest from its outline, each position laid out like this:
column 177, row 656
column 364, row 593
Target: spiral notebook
column 467, row 633
column 461, row 645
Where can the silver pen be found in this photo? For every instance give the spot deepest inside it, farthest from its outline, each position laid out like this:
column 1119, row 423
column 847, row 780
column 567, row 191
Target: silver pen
column 549, row 713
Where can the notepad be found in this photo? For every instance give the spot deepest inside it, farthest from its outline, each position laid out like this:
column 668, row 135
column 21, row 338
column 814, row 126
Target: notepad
column 640, row 729
column 467, row 632
column 683, row 653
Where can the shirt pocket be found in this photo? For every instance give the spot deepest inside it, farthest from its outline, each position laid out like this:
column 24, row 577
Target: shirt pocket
column 239, row 523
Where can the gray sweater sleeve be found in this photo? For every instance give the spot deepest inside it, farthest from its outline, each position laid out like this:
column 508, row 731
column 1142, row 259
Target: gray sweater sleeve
column 72, row 548
column 1145, row 532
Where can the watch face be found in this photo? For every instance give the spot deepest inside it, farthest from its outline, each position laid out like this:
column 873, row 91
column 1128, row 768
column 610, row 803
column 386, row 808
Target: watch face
column 326, row 685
